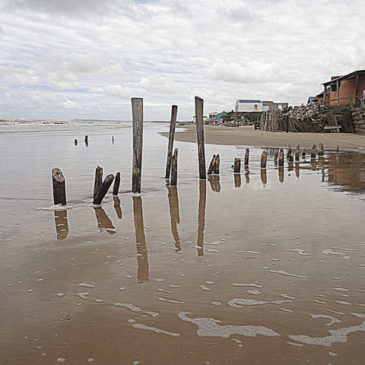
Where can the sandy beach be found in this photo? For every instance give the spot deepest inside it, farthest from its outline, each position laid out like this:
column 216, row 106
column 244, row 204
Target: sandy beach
column 247, row 136
column 263, row 267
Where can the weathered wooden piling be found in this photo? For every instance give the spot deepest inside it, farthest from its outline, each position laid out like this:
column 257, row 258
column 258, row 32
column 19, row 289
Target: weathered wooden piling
column 281, row 158
column 103, row 189
column 98, row 180
column 237, row 165
column 263, row 159
column 75, row 141
column 173, row 181
column 137, row 117
column 291, row 158
column 313, row 152
column 247, row 156
column 86, row 140
column 321, row 150
column 116, row 184
column 171, row 140
column 211, row 166
column 200, row 135
column 59, row 187
column 304, row 152
column 216, row 164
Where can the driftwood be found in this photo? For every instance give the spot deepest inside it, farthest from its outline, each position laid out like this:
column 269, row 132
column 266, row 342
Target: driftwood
column 59, row 187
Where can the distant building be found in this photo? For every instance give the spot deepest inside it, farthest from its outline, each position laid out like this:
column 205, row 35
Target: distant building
column 270, row 104
column 249, row 106
column 213, row 115
column 336, row 91
column 204, row 118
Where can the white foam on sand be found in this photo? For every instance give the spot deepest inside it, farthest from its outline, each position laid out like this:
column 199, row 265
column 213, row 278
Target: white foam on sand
column 155, row 329
column 325, row 316
column 209, row 327
column 240, row 302
column 170, row 300
column 339, row 335
column 300, row 251
column 254, row 285
column 134, row 308
column 86, row 285
column 83, row 295
column 281, row 272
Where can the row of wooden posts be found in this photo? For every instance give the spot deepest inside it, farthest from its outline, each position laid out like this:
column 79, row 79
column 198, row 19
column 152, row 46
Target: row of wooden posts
column 101, row 187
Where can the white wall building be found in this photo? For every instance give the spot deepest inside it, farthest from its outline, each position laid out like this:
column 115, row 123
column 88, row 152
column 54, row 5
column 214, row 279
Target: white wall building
column 249, row 106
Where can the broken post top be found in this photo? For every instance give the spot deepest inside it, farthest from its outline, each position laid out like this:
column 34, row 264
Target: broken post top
column 58, row 175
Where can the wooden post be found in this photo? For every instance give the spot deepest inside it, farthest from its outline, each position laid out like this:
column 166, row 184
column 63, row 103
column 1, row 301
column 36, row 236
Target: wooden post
column 304, row 153
column 291, row 158
column 247, row 156
column 281, row 158
column 116, row 184
column 313, row 152
column 75, row 141
column 216, row 164
column 321, row 150
column 211, row 166
column 98, row 180
column 237, row 165
column 86, row 140
column 137, row 116
column 103, row 189
column 59, row 187
column 338, row 149
column 200, row 136
column 263, row 159
column 171, row 140
column 297, row 153
column 297, row 168
column 173, row 181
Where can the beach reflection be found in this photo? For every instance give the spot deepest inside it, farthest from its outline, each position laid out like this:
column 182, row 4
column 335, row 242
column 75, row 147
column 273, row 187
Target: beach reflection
column 214, row 183
column 117, row 207
column 142, row 258
column 104, row 222
column 237, row 180
column 174, row 215
column 61, row 224
column 201, row 215
column 247, row 174
column 281, row 174
column 263, row 177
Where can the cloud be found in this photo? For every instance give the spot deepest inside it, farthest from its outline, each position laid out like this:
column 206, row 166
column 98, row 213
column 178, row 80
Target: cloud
column 52, row 100
column 114, row 90
column 161, row 84
column 18, row 76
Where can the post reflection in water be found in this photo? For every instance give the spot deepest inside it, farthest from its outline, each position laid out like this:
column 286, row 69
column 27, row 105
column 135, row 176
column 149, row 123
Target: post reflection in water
column 104, row 222
column 263, row 176
column 117, row 207
column 297, row 169
column 60, row 217
column 214, row 183
column 314, row 164
column 290, row 166
column 201, row 215
column 174, row 215
column 142, row 258
column 237, row 180
column 281, row 174
column 247, row 174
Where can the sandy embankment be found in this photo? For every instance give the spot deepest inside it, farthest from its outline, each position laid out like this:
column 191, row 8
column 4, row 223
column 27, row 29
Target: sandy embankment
column 249, row 137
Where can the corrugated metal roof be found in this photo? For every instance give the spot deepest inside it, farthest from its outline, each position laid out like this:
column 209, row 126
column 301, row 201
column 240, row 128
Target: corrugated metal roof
column 249, row 101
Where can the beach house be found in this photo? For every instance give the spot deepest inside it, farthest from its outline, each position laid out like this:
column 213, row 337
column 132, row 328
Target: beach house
column 248, row 106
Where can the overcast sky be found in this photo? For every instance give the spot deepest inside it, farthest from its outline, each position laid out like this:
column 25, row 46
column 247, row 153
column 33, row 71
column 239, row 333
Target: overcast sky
column 87, row 58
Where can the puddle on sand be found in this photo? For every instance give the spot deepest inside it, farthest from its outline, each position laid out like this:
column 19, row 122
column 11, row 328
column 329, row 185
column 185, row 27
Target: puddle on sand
column 170, row 276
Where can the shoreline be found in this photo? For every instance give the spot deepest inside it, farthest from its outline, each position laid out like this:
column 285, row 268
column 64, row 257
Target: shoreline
column 248, row 136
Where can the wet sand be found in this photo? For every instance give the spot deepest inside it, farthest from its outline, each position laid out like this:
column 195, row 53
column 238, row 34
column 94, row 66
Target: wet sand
column 264, row 267
column 250, row 137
